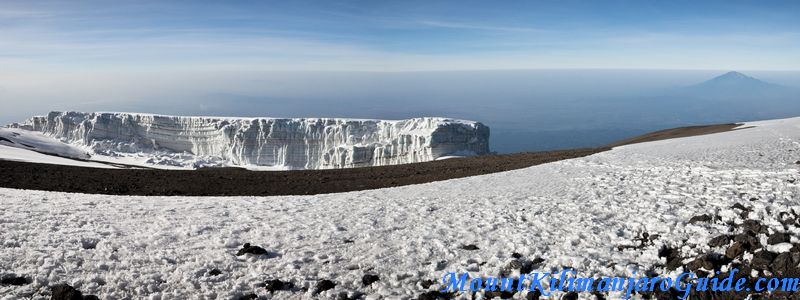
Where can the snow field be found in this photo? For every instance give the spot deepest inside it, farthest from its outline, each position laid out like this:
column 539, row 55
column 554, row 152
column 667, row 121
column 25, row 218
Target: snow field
column 573, row 213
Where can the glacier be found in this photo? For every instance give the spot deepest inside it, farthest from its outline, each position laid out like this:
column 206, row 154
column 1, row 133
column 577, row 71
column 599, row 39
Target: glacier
column 279, row 143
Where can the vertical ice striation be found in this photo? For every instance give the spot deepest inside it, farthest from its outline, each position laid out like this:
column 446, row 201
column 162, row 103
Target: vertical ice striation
column 293, row 143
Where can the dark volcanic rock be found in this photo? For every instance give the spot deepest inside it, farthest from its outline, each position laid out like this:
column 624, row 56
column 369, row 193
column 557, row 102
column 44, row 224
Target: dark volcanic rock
column 673, row 257
column 745, row 212
column 700, row 218
column 426, row 284
column 778, row 237
column 65, row 292
column 535, row 295
column 735, row 250
column 522, row 265
column 248, row 249
column 14, row 280
column 668, row 252
column 787, row 218
column 720, row 241
column 277, row 285
column 368, row 279
column 498, row 294
column 435, row 295
column 762, row 259
column 785, row 264
column 516, row 255
column 470, row 247
column 570, row 296
column 741, row 207
column 214, row 272
column 749, row 241
column 752, row 226
column 599, row 296
column 711, row 261
column 248, row 297
column 324, row 285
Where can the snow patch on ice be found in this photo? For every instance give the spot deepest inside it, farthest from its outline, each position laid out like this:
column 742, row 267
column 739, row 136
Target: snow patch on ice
column 37, row 142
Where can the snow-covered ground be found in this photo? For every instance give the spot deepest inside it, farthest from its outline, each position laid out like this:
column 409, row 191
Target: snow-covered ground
column 573, row 213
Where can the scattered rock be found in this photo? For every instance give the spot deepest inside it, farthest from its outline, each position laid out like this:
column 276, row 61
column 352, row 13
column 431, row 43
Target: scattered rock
column 514, row 264
column 599, row 296
column 673, row 257
column 426, row 284
column 741, row 207
column 498, row 294
column 700, row 218
column 570, row 296
column 435, row 295
column 751, row 226
column 250, row 296
column 248, row 249
column 537, row 261
column 324, row 285
column 14, row 280
column 368, row 279
column 66, row 292
column 89, row 244
column 762, row 259
column 470, row 247
column 535, row 295
column 735, row 250
column 214, row 272
column 745, row 212
column 778, row 237
column 711, row 261
column 277, row 285
column 720, row 241
column 749, row 241
column 785, row 264
column 527, row 267
column 786, row 218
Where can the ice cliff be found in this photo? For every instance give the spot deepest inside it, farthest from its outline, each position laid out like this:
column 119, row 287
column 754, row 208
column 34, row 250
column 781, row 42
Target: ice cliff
column 299, row 143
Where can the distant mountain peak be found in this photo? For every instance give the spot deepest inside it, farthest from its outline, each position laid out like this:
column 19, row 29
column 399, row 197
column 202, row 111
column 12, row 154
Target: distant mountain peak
column 735, row 79
column 733, row 84
column 733, row 75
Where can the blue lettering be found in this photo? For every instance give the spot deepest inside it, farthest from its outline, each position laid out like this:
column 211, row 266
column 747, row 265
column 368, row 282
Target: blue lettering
column 453, row 285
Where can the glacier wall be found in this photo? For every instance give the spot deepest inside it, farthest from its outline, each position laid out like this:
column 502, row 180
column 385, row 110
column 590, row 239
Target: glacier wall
column 301, row 143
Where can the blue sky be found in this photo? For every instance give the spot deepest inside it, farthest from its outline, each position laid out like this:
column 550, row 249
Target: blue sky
column 53, row 36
